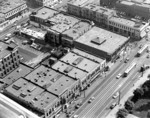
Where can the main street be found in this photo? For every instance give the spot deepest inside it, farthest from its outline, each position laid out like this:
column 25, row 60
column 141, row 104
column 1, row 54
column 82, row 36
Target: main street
column 103, row 94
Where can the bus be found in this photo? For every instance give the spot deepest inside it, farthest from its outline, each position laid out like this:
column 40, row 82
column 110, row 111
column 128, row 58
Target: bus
column 128, row 70
column 145, row 47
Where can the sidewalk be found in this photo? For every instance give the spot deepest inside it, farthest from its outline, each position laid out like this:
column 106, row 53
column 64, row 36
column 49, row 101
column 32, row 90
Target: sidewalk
column 139, row 82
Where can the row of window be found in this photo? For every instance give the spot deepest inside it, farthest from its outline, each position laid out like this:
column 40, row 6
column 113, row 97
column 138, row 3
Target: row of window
column 15, row 11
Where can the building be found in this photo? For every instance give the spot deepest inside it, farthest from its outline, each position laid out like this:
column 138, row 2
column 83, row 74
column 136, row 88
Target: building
column 40, row 3
column 9, row 58
column 101, row 43
column 58, row 24
column 108, row 3
column 75, row 32
column 85, row 64
column 74, row 7
column 38, row 36
column 128, row 27
column 102, row 62
column 96, row 13
column 56, row 83
column 10, row 9
column 29, row 94
column 21, row 71
column 139, row 8
column 73, row 72
column 40, row 17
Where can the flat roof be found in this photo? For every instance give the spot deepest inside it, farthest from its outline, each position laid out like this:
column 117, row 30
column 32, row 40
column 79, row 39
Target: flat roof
column 62, row 22
column 126, row 22
column 80, row 62
column 87, row 55
column 69, row 70
column 78, row 2
column 7, row 5
column 29, row 92
column 33, row 33
column 4, row 51
column 49, row 79
column 21, row 71
column 45, row 13
column 102, row 39
column 77, row 29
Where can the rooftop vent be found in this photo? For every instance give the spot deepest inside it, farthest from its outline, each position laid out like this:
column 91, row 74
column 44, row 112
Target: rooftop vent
column 98, row 41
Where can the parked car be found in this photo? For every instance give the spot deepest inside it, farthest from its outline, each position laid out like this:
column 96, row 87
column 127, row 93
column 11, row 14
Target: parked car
column 126, row 60
column 75, row 116
column 119, row 75
column 115, row 95
column 113, row 105
column 91, row 99
column 25, row 42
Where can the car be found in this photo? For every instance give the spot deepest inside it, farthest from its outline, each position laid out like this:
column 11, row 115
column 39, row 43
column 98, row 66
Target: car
column 119, row 75
column 126, row 60
column 24, row 42
column 113, row 105
column 141, row 46
column 91, row 99
column 6, row 38
column 148, row 56
column 75, row 116
column 115, row 95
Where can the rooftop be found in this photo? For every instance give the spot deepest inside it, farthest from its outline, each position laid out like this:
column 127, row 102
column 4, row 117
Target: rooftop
column 102, row 39
column 126, row 22
column 21, row 71
column 4, row 50
column 33, row 33
column 62, row 22
column 45, row 13
column 80, row 62
column 30, row 93
column 70, row 70
column 7, row 5
column 98, row 9
column 51, row 80
column 87, row 55
column 77, row 29
column 78, row 2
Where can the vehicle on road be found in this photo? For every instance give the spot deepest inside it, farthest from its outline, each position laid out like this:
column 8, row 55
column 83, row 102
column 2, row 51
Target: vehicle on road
column 91, row 99
column 35, row 46
column 25, row 42
column 128, row 70
column 113, row 105
column 126, row 60
column 118, row 76
column 141, row 51
column 115, row 95
column 75, row 116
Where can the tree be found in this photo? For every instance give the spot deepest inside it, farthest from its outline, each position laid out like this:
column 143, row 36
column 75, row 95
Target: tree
column 129, row 105
column 138, row 92
column 148, row 114
column 122, row 113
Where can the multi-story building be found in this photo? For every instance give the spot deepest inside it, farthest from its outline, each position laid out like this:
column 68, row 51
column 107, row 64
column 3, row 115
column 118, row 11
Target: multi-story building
column 75, row 32
column 96, row 13
column 134, row 8
column 9, row 58
column 64, row 87
column 74, row 7
column 31, row 95
column 10, row 9
column 102, row 43
column 73, row 72
column 85, row 64
column 101, row 61
column 108, row 3
column 133, row 28
column 41, row 16
column 58, row 24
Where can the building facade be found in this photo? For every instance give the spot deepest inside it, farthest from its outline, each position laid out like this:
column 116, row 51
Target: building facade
column 9, row 58
column 13, row 8
column 138, row 8
column 128, row 27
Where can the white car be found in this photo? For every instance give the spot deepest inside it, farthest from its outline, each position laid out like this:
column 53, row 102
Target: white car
column 75, row 116
column 91, row 99
column 119, row 75
column 115, row 95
